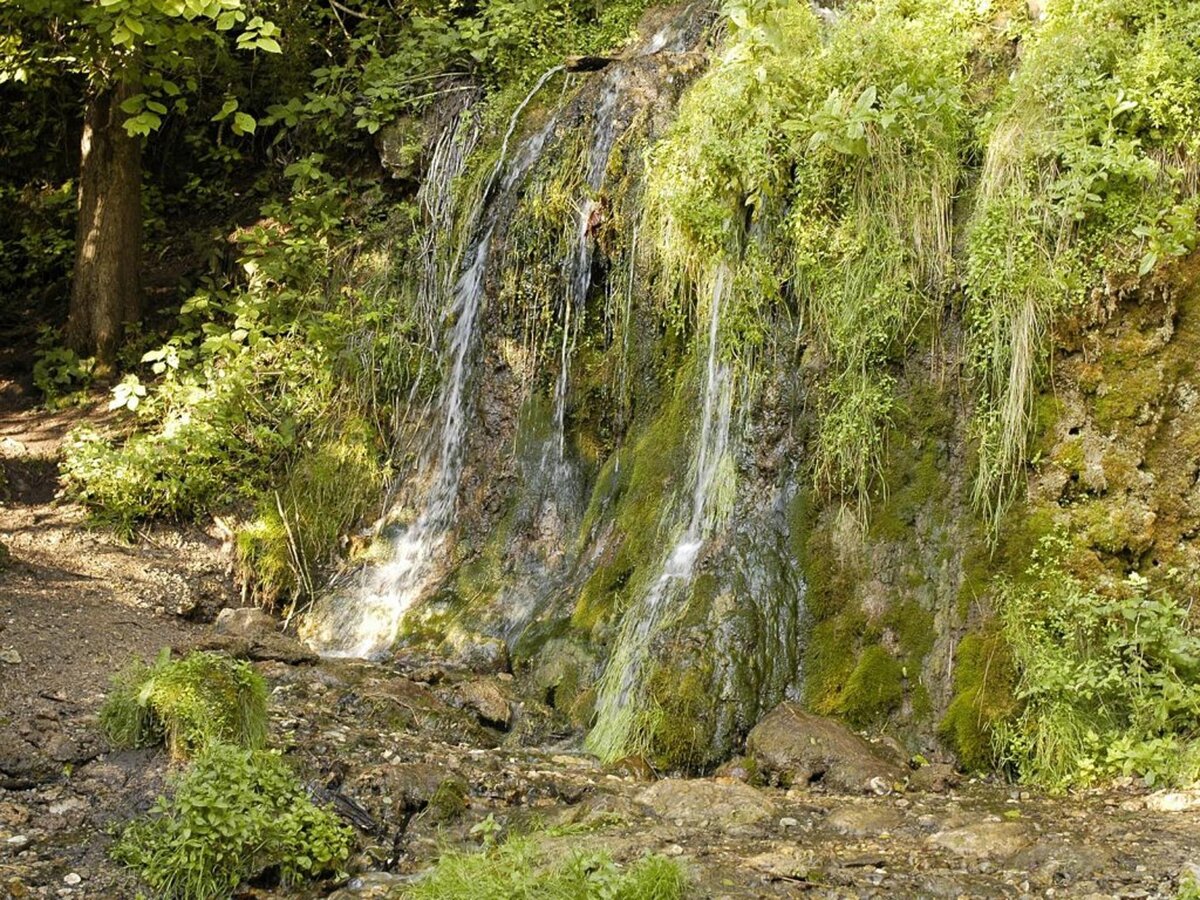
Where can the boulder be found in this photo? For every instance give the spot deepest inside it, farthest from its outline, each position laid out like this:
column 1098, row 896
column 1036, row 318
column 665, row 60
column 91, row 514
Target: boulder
column 487, row 701
column 729, row 806
column 984, row 840
column 794, row 747
column 935, row 778
column 864, row 821
column 247, row 622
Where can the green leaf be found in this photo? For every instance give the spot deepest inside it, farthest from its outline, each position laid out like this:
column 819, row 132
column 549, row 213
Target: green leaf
column 227, row 107
column 269, row 45
column 243, row 123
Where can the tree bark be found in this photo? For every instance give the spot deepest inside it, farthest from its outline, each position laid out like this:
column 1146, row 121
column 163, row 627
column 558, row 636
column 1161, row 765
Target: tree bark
column 106, row 292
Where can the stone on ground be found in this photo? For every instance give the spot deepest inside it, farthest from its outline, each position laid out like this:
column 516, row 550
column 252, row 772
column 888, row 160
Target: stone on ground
column 794, row 747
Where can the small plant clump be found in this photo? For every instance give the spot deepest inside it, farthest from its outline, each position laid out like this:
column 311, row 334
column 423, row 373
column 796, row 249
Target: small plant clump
column 519, row 867
column 234, row 814
column 1109, row 685
column 189, row 704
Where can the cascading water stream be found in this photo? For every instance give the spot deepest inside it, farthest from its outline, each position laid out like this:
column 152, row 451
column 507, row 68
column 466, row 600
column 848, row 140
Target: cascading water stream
column 579, row 280
column 623, row 677
column 364, row 622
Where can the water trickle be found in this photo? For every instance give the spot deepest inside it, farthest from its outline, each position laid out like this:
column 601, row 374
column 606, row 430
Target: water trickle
column 623, row 677
column 512, row 127
column 363, row 621
column 579, row 281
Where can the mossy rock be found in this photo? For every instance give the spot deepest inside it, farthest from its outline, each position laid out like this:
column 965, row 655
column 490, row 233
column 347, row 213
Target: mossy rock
column 449, row 801
column 984, row 685
column 874, row 689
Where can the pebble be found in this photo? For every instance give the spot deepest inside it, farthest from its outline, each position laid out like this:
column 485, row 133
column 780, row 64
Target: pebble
column 788, row 822
column 674, row 850
column 17, row 840
column 72, row 878
column 12, row 657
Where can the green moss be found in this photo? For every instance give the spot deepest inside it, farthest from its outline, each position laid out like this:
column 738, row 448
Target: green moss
column 984, row 685
column 636, row 487
column 681, row 716
column 829, row 660
column 298, row 528
column 874, row 689
column 188, row 704
column 449, row 801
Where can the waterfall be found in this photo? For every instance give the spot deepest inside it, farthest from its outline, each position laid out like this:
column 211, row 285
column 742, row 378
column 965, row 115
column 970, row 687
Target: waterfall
column 363, row 621
column 622, row 681
column 579, row 271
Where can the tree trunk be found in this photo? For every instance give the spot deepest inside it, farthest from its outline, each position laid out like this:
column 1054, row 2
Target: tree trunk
column 106, row 291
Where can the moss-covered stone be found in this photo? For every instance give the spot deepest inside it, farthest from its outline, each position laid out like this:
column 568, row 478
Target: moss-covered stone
column 449, row 801
column 873, row 689
column 984, row 685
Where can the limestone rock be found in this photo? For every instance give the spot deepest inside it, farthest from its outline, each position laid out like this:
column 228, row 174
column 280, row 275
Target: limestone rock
column 1173, row 801
column 247, row 622
column 487, row 701
column 935, row 778
column 477, row 653
column 791, row 746
column 864, row 821
column 729, row 805
column 250, row 633
column 984, row 840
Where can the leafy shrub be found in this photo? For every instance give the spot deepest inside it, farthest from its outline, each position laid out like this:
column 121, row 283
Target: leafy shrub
column 234, row 814
column 519, row 868
column 1110, row 685
column 189, row 704
column 59, row 371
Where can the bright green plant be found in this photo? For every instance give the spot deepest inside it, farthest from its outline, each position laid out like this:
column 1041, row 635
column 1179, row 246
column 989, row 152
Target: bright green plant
column 1086, row 182
column 520, row 867
column 233, row 814
column 188, row 704
column 1110, row 684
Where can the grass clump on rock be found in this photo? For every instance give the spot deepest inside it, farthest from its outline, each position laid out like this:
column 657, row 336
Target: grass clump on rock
column 235, row 813
column 520, row 867
column 187, row 704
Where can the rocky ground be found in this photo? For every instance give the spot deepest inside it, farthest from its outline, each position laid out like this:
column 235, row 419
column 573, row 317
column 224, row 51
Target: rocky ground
column 431, row 747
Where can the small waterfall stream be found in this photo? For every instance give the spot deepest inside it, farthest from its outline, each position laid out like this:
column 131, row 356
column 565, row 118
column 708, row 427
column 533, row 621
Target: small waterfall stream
column 363, row 621
column 623, row 676
column 579, row 271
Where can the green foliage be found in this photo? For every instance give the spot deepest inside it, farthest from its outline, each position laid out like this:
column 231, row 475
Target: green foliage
column 298, row 525
column 984, row 684
column 832, row 166
column 520, row 867
column 59, row 372
column 189, row 704
column 1087, row 180
column 1110, row 685
column 271, row 391
column 233, row 814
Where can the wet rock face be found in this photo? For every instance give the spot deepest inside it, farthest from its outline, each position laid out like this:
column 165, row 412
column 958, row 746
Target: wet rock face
column 794, row 747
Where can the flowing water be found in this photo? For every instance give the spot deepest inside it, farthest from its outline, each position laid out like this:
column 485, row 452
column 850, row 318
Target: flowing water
column 579, row 272
column 623, row 677
column 362, row 621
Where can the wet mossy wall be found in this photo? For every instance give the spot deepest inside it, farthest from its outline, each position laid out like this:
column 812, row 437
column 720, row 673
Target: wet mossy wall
column 879, row 609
